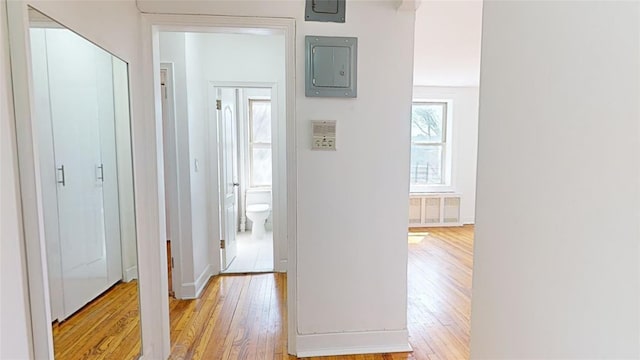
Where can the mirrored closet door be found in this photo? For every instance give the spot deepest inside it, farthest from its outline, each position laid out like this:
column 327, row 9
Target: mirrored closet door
column 81, row 113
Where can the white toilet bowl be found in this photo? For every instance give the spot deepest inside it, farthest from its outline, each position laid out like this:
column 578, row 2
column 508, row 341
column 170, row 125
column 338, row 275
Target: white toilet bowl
column 258, row 214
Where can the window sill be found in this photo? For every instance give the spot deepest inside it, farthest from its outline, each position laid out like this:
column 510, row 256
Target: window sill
column 431, row 189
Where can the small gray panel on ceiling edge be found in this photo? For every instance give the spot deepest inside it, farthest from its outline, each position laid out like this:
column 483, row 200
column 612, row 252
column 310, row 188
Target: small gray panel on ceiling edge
column 325, row 10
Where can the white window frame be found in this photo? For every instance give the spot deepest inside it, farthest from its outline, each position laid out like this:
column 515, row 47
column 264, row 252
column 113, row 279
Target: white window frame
column 447, row 153
column 258, row 145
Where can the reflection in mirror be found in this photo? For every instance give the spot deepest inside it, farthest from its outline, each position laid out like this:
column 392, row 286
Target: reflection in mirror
column 81, row 110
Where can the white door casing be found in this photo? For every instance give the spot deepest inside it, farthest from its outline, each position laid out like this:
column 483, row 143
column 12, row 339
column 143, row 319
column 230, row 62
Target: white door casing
column 227, row 111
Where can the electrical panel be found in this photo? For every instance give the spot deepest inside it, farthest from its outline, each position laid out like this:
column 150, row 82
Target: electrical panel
column 331, row 66
column 323, row 134
column 325, row 10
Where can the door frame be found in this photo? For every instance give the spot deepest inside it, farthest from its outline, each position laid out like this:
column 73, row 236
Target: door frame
column 277, row 188
column 172, row 182
column 152, row 25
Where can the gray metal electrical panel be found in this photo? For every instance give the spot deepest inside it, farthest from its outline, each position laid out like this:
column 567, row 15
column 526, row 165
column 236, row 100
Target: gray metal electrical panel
column 331, row 66
column 325, row 10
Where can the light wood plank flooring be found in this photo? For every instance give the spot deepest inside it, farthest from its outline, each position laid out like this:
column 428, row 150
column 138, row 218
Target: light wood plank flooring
column 106, row 328
column 244, row 317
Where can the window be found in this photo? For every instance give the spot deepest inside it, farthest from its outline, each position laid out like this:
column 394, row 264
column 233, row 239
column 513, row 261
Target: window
column 429, row 164
column 260, row 142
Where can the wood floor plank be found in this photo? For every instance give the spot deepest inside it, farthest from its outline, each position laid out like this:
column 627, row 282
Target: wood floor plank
column 100, row 328
column 245, row 317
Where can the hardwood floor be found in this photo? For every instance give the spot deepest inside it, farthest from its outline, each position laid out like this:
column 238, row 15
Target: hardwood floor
column 106, row 328
column 244, row 317
column 439, row 298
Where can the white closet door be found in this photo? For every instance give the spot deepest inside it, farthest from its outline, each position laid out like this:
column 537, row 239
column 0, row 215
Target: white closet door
column 106, row 116
column 74, row 109
column 42, row 114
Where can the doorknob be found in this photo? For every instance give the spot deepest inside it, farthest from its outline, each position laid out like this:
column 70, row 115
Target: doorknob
column 236, row 184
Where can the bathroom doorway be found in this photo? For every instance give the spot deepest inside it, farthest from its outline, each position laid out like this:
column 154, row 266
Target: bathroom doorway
column 244, row 116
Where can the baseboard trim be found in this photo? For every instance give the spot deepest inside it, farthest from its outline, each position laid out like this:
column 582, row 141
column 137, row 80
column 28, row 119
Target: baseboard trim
column 351, row 343
column 130, row 274
column 194, row 290
column 282, row 266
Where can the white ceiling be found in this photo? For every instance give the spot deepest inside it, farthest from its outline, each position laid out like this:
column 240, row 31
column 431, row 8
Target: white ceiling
column 447, row 43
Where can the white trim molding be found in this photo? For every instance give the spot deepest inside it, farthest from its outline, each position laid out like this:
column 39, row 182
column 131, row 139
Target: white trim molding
column 194, row 289
column 366, row 342
column 130, row 274
column 153, row 24
column 409, row 5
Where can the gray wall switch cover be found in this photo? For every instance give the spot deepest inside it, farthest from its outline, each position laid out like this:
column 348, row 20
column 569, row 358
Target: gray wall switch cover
column 331, row 66
column 325, row 10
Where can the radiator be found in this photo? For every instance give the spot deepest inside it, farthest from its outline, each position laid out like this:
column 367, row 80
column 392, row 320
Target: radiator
column 434, row 209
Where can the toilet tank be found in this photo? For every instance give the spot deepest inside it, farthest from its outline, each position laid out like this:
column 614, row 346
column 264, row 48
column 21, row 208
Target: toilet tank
column 259, row 196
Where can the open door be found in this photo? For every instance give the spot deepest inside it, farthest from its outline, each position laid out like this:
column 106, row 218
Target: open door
column 226, row 105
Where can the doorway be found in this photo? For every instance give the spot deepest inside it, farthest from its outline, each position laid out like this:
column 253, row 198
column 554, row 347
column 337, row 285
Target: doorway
column 213, row 168
column 245, row 117
column 178, row 41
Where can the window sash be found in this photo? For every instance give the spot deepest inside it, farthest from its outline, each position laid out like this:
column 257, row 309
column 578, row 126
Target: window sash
column 251, row 129
column 442, row 145
column 444, row 105
column 256, row 145
column 443, row 166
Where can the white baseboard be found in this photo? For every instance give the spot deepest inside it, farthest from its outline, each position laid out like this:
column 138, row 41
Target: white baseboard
column 130, row 274
column 194, row 289
column 350, row 343
column 469, row 221
column 282, row 266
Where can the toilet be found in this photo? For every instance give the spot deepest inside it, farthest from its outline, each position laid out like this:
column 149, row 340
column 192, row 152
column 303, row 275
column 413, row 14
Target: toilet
column 258, row 210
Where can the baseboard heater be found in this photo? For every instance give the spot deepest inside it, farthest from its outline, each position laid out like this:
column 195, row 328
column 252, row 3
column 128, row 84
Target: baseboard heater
column 434, row 209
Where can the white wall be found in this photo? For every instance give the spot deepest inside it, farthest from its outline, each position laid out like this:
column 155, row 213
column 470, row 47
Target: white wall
column 464, row 127
column 172, row 50
column 15, row 329
column 204, row 242
column 557, row 225
column 447, row 43
column 352, row 203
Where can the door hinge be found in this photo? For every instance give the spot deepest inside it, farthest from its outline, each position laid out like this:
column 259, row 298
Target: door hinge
column 172, row 264
column 219, row 104
column 222, row 245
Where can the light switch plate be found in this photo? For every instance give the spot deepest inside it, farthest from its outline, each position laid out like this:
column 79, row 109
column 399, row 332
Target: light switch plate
column 331, row 66
column 323, row 135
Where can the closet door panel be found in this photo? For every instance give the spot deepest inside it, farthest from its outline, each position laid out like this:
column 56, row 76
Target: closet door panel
column 106, row 116
column 74, row 110
column 47, row 166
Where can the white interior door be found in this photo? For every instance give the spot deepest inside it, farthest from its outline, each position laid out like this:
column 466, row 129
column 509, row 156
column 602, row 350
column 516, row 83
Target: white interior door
column 79, row 166
column 227, row 117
